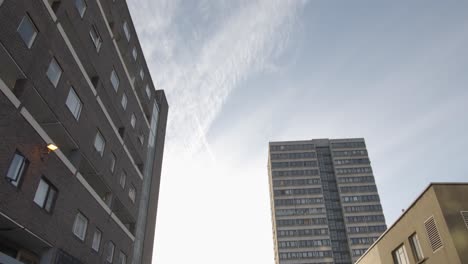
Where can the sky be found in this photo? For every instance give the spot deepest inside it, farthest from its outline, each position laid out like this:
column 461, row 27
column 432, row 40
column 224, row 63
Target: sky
column 238, row 74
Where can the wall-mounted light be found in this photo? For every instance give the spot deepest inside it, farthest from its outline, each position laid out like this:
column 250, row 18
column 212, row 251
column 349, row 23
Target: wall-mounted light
column 46, row 151
column 51, row 147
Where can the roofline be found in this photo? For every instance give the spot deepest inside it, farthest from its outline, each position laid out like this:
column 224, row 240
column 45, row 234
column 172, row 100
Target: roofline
column 290, row 141
column 332, row 140
column 404, row 213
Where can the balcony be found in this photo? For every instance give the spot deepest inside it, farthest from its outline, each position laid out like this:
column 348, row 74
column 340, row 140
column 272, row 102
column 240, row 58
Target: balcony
column 19, row 245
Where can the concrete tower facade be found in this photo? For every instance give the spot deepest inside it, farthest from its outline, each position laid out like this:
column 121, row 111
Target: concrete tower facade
column 325, row 204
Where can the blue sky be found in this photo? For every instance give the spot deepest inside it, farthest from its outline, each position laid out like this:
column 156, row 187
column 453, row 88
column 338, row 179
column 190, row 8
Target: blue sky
column 239, row 74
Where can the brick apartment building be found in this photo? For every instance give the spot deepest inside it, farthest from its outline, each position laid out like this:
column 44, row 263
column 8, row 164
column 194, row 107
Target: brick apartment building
column 73, row 76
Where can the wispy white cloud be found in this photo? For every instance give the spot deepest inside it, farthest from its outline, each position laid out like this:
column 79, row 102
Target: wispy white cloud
column 199, row 67
column 199, row 52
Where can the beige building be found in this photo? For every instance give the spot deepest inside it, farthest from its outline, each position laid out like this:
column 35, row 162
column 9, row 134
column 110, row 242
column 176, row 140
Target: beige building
column 433, row 230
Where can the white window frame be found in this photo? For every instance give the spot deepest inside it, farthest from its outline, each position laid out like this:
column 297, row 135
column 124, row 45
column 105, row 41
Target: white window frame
column 122, row 258
column 416, row 247
column 124, row 101
column 96, row 147
column 85, row 7
column 95, row 37
column 14, row 174
column 27, row 19
column 123, row 179
column 126, row 30
column 132, row 193
column 73, row 99
column 133, row 120
column 134, row 53
column 54, row 65
column 80, row 217
column 115, row 81
column 400, row 256
column 97, row 237
column 148, row 91
column 113, row 161
column 45, row 198
column 111, row 247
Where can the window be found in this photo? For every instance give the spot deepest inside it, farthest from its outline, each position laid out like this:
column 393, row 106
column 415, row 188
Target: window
column 126, row 30
column 358, row 252
column 294, row 164
column 297, row 191
column 122, row 258
column 148, row 91
column 300, row 155
column 367, row 229
column 293, row 147
column 363, row 208
column 141, row 139
column 107, row 198
column 295, row 173
column 17, row 168
column 95, row 37
column 27, row 30
column 134, row 53
column 363, row 179
column 133, row 120
column 115, row 80
column 99, row 143
column 45, row 195
column 399, row 255
column 74, row 103
column 416, row 247
column 354, row 170
column 132, row 193
column 303, row 232
column 123, row 178
column 124, row 101
column 110, row 252
column 96, row 240
column 112, row 164
column 349, row 145
column 306, row 255
column 358, row 189
column 365, row 218
column 360, row 198
column 54, row 72
column 81, row 7
column 352, row 161
column 80, row 226
column 142, row 74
